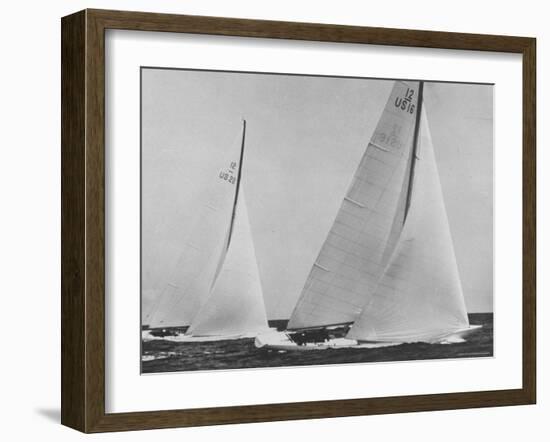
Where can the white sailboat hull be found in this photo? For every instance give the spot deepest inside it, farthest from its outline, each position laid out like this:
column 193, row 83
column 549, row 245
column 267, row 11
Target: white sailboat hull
column 282, row 341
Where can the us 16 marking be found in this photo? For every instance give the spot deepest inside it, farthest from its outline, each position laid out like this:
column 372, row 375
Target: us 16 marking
column 405, row 103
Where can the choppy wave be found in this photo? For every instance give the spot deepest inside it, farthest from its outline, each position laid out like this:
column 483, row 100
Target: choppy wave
column 170, row 354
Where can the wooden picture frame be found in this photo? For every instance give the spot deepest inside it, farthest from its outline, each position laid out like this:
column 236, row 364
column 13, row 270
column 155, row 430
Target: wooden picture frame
column 83, row 220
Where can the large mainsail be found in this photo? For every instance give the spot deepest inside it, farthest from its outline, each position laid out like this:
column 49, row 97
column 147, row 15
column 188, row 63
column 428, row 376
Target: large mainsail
column 190, row 282
column 419, row 297
column 363, row 235
column 236, row 304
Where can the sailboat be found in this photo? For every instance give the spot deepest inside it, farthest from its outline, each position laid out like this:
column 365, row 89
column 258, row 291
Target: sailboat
column 387, row 272
column 215, row 288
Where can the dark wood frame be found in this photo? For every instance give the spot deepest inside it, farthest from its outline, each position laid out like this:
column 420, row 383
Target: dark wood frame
column 83, row 216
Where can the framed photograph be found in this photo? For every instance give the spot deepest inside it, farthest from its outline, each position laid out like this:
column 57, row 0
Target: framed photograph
column 268, row 220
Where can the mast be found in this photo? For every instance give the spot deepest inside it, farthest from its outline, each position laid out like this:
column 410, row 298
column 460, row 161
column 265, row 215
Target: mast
column 239, row 174
column 415, row 147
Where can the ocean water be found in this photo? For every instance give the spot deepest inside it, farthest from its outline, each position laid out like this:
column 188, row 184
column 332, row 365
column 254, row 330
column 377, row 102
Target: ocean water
column 161, row 355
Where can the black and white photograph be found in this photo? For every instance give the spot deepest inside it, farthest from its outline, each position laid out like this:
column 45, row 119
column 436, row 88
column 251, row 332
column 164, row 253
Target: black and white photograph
column 301, row 220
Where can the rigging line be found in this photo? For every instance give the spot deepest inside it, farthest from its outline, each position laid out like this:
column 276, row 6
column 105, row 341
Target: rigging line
column 238, row 185
column 415, row 147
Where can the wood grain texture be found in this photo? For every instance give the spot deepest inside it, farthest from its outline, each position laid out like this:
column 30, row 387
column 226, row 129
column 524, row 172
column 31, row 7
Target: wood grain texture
column 529, row 220
column 83, row 219
column 145, row 21
column 73, row 127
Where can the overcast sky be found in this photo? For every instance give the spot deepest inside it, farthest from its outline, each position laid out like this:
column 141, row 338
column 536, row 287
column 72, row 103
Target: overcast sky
column 305, row 137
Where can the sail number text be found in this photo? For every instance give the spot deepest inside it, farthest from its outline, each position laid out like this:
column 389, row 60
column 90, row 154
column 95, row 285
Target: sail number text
column 405, row 103
column 229, row 174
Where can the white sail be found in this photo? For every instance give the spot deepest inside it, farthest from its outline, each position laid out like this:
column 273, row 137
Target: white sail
column 189, row 287
column 190, row 281
column 363, row 235
column 419, row 297
column 159, row 315
column 236, row 304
